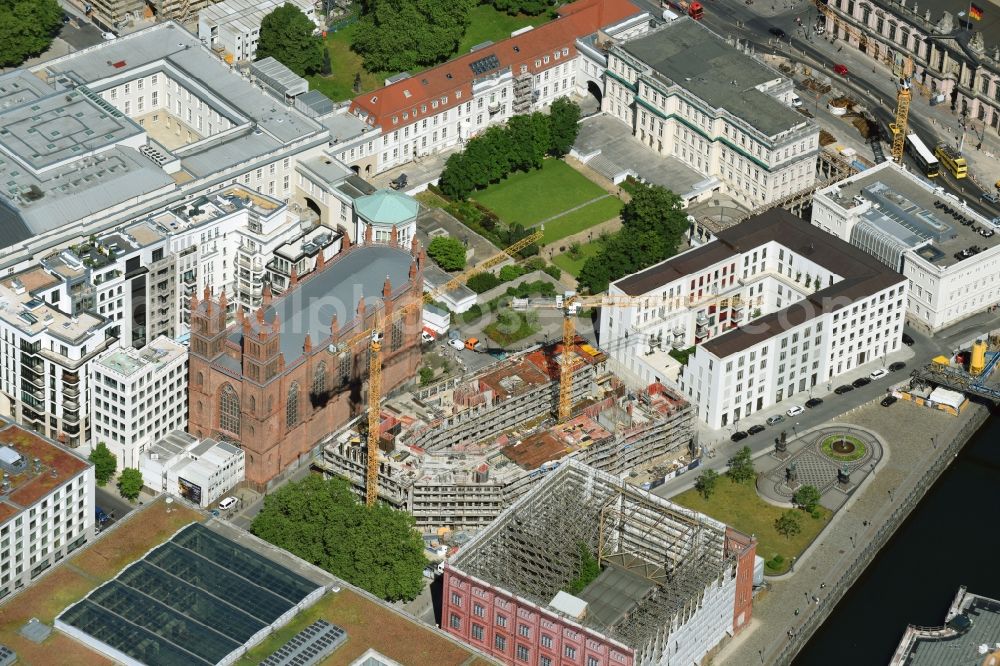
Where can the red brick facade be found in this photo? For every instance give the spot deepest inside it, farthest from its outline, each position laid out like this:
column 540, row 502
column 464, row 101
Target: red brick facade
column 242, row 389
column 745, row 550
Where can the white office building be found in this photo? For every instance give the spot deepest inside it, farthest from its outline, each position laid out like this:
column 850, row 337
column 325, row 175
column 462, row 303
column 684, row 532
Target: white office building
column 688, row 94
column 773, row 307
column 948, row 252
column 232, row 27
column 199, row 470
column 139, row 395
column 46, row 505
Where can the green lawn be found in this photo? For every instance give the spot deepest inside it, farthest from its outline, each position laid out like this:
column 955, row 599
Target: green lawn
column 510, row 327
column 739, row 506
column 528, row 197
column 582, row 219
column 574, row 266
column 485, row 23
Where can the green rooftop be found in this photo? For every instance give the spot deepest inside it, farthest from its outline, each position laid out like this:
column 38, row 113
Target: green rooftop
column 387, row 207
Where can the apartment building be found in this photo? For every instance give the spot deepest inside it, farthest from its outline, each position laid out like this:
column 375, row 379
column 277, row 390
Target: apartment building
column 199, row 470
column 773, row 307
column 448, row 104
column 46, row 505
column 111, row 14
column 232, row 27
column 688, row 94
column 948, row 252
column 953, row 55
column 468, row 476
column 138, row 396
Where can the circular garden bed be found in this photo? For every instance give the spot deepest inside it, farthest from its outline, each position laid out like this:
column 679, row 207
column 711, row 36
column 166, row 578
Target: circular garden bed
column 843, row 448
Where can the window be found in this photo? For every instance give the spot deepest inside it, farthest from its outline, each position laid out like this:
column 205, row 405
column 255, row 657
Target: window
column 229, row 410
column 524, row 630
column 544, row 661
column 456, row 599
column 478, row 610
column 501, row 620
column 500, row 642
column 592, row 661
column 546, row 641
column 455, row 621
column 292, row 406
column 477, row 632
column 319, row 379
column 522, row 653
column 570, row 652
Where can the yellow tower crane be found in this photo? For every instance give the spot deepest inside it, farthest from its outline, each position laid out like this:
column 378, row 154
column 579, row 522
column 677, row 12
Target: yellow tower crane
column 376, row 333
column 898, row 127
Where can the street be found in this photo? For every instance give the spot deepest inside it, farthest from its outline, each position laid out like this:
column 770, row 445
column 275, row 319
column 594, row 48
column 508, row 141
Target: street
column 111, row 504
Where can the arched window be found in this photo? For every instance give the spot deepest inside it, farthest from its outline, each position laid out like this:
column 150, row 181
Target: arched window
column 319, row 379
column 229, row 410
column 292, row 406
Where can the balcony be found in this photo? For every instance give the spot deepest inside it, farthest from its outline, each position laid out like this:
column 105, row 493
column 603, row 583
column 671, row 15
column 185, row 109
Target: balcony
column 701, row 320
column 71, row 404
column 32, row 416
column 71, row 417
column 70, row 378
column 71, row 392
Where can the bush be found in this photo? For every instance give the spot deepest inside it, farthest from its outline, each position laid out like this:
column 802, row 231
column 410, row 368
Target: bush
column 511, row 272
column 553, row 271
column 473, row 314
column 448, row 253
column 482, row 282
column 426, row 376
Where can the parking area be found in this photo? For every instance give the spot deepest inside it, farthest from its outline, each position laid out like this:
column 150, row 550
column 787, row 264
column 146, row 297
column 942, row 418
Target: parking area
column 619, row 151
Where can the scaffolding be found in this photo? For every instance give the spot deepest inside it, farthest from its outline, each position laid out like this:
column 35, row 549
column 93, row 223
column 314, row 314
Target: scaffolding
column 532, row 550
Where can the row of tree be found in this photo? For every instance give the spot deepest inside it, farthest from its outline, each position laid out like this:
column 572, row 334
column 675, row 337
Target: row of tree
column 321, row 521
column 399, row 35
column 653, row 224
column 288, row 35
column 520, row 145
column 27, row 28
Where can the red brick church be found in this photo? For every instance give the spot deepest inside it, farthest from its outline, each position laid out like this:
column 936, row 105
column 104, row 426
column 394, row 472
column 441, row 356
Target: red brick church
column 278, row 381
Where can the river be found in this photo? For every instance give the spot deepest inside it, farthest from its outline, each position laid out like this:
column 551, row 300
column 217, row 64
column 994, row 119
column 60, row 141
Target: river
column 951, row 539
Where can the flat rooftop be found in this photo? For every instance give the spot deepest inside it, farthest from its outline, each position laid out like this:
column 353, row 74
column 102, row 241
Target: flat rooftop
column 27, row 312
column 56, row 466
column 912, row 211
column 128, row 361
column 976, row 624
column 687, row 54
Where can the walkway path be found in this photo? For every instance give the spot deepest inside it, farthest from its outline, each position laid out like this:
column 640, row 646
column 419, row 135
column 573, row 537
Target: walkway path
column 914, row 437
column 571, row 210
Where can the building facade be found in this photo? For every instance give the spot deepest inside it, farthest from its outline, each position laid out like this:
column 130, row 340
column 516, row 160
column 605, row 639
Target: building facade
column 687, row 94
column 46, row 505
column 138, row 396
column 949, row 253
column 281, row 378
column 199, row 470
column 952, row 55
column 446, row 105
column 772, row 308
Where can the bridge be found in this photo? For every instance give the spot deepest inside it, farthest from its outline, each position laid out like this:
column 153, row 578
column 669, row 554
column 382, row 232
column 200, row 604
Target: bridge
column 958, row 379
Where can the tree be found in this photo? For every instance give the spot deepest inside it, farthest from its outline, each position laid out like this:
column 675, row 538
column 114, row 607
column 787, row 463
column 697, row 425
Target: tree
column 321, row 521
column 511, row 272
column 130, row 483
column 706, row 483
column 426, row 375
column 327, row 68
column 531, row 140
column 741, row 466
column 105, row 463
column 286, row 34
column 456, row 180
column 482, row 282
column 27, row 28
column 515, row 7
column 587, row 571
column 807, row 498
column 448, row 253
column 398, row 35
column 564, row 117
column 787, row 524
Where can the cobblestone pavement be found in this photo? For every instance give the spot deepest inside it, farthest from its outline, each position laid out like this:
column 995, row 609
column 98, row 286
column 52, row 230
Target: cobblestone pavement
column 914, row 437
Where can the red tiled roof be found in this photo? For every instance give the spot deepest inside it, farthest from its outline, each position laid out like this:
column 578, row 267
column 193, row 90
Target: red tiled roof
column 440, row 83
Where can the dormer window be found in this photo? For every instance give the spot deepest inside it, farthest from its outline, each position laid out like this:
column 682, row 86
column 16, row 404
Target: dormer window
column 374, row 98
column 407, row 94
column 395, row 120
column 423, row 108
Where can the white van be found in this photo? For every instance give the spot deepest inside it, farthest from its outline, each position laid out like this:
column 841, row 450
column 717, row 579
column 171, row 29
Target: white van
column 796, row 101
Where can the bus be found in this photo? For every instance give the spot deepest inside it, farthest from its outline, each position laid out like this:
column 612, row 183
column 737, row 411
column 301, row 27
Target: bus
column 922, row 155
column 952, row 160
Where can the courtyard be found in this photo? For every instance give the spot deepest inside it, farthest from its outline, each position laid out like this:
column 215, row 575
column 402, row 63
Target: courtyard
column 556, row 196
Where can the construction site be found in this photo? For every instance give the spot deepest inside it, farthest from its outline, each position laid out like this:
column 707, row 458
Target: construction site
column 669, row 584
column 457, row 454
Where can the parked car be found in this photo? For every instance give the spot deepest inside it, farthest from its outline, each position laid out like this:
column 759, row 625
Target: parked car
column 426, row 337
column 108, row 36
column 796, row 101
column 755, row 429
column 897, row 366
column 778, row 32
column 907, row 340
column 775, row 420
column 472, row 344
column 861, row 381
column 794, row 410
column 100, row 515
column 889, row 401
column 841, row 390
column 814, row 402
column 879, row 374
column 399, row 182
column 992, row 198
column 227, row 503
column 456, row 344
column 738, row 435
column 840, row 69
